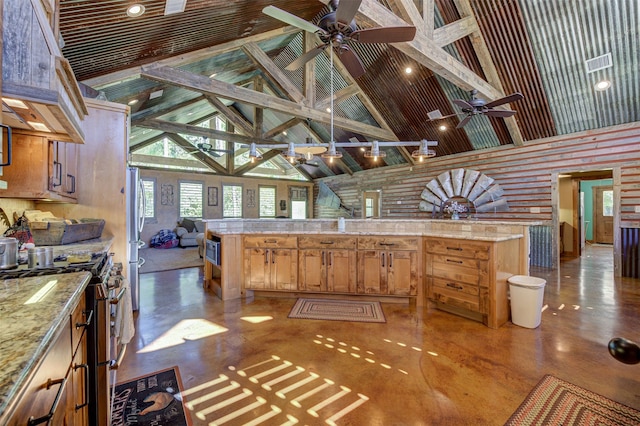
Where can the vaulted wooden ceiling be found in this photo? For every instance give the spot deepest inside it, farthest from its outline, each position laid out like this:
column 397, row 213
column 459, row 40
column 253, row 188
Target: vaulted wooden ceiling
column 228, row 58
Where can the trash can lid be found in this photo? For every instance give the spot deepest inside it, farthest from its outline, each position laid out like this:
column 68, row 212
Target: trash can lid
column 527, row 281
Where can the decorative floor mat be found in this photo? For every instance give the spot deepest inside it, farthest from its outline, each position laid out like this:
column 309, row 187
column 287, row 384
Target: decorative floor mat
column 338, row 310
column 556, row 402
column 154, row 399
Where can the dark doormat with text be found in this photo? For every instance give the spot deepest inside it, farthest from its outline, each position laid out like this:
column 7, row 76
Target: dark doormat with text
column 154, row 399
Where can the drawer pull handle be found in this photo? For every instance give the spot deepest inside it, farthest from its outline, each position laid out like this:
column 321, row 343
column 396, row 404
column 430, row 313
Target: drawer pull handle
column 85, row 367
column 270, row 241
column 327, row 242
column 455, row 248
column 387, row 244
column 47, row 417
column 85, row 324
column 454, row 261
column 453, row 285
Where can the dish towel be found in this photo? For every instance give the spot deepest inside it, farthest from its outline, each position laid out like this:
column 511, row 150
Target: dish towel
column 123, row 326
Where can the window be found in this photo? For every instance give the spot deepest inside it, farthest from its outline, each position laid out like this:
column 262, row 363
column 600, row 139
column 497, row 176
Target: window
column 191, row 198
column 267, row 200
column 607, row 203
column 231, row 201
column 149, row 185
column 298, row 209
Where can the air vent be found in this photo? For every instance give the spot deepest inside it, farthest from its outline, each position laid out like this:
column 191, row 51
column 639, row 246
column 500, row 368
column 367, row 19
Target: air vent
column 434, row 114
column 598, row 63
column 174, row 6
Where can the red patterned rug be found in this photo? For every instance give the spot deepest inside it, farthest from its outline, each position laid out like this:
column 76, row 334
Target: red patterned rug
column 556, row 402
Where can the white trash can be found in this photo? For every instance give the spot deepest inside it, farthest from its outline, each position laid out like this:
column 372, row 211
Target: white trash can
column 526, row 295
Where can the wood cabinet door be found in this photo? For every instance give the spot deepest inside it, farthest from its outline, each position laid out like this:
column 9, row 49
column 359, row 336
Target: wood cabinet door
column 372, row 272
column 312, row 272
column 257, row 268
column 284, row 269
column 79, row 407
column 402, row 273
column 341, row 271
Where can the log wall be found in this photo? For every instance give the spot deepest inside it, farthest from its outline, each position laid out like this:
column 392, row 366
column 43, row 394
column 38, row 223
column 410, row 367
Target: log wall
column 528, row 175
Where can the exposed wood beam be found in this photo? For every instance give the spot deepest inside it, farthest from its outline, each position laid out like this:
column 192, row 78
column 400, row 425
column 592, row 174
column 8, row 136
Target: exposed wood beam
column 202, row 157
column 258, row 112
column 271, row 70
column 339, row 96
column 250, row 166
column 190, row 129
column 282, row 127
column 426, row 51
column 187, row 58
column 309, row 71
column 176, row 162
column 428, row 17
column 160, row 109
column 455, row 31
column 233, row 116
column 203, row 84
column 150, row 141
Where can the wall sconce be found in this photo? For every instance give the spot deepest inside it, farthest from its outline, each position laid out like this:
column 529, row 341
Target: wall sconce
column 375, row 152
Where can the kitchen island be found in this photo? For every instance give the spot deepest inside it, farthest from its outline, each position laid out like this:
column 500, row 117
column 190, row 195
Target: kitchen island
column 384, row 259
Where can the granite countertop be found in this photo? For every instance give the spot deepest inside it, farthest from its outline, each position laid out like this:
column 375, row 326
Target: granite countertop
column 29, row 326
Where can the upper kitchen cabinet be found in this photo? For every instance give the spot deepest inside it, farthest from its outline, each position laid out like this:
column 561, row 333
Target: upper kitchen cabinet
column 39, row 90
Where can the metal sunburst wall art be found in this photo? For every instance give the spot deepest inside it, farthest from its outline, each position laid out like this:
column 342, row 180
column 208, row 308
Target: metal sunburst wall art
column 470, row 190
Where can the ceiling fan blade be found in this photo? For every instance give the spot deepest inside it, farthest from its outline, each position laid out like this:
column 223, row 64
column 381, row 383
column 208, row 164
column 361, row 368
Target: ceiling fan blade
column 384, row 34
column 291, row 19
column 464, row 121
column 306, row 57
column 347, row 10
column 507, row 99
column 463, row 104
column 351, row 61
column 499, row 113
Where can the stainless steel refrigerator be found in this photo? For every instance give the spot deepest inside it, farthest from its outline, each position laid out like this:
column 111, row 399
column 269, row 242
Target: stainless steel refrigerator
column 135, row 223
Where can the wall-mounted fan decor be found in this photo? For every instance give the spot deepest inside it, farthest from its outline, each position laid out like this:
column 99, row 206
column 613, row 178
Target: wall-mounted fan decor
column 337, row 28
column 478, row 106
column 471, row 185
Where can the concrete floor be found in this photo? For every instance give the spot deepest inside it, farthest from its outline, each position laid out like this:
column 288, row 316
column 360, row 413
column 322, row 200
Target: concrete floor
column 245, row 362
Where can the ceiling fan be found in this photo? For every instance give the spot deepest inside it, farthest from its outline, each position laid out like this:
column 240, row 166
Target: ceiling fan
column 207, row 148
column 337, row 28
column 478, row 106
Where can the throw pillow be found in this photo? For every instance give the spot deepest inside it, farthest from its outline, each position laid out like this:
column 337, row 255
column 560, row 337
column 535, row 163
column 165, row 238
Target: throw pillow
column 188, row 224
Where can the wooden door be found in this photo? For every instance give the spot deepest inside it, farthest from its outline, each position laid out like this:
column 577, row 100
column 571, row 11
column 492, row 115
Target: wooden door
column 284, row 269
column 403, row 273
column 312, row 273
column 341, row 271
column 603, row 214
column 372, row 272
column 256, row 268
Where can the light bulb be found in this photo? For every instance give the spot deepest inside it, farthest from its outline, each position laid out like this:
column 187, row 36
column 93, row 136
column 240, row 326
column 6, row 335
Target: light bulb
column 253, row 159
column 308, row 155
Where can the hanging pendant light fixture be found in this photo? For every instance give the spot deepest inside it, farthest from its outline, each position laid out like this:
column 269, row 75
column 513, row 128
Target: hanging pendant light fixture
column 375, row 152
column 253, row 153
column 423, row 152
column 290, row 154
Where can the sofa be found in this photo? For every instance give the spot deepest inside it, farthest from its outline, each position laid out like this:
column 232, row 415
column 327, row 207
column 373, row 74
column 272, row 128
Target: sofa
column 188, row 231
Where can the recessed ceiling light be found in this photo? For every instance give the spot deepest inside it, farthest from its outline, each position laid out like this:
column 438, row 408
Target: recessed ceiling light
column 15, row 103
column 328, row 109
column 408, row 70
column 133, row 102
column 442, row 128
column 135, row 10
column 602, row 85
column 38, row 126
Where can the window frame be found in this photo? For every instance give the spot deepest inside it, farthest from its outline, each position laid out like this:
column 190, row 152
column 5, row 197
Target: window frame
column 154, row 189
column 275, row 200
column 224, row 199
column 192, row 182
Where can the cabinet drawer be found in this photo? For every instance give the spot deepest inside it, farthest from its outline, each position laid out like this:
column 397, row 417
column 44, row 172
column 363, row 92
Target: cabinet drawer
column 461, row 248
column 454, row 293
column 267, row 241
column 467, row 270
column 327, row 242
column 388, row 243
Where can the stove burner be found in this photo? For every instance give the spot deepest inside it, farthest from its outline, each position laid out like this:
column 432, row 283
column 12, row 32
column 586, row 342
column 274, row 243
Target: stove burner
column 60, row 266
